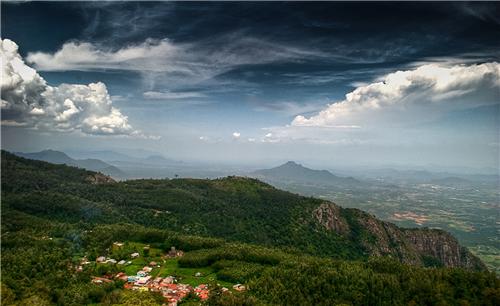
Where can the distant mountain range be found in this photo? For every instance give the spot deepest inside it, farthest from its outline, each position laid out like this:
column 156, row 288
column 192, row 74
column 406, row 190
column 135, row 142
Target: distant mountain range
column 115, row 157
column 291, row 172
column 57, row 157
column 394, row 176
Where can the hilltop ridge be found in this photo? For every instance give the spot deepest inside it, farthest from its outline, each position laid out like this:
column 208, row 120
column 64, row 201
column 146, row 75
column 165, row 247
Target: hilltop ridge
column 233, row 208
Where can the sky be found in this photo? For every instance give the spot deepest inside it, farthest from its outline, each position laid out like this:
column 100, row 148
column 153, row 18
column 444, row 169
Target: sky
column 330, row 84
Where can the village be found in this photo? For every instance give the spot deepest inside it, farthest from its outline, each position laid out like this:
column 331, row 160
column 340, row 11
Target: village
column 172, row 289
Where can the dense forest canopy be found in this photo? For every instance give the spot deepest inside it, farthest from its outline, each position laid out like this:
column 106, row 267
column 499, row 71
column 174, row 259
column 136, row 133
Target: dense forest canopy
column 244, row 230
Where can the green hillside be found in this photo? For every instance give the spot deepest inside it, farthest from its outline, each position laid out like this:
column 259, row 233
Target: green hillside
column 288, row 249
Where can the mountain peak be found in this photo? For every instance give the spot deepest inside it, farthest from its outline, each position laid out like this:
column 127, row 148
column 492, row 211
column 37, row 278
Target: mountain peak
column 292, row 171
column 292, row 163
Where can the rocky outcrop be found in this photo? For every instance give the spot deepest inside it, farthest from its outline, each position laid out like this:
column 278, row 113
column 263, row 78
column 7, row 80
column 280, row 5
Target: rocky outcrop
column 99, row 178
column 329, row 216
column 379, row 238
column 442, row 246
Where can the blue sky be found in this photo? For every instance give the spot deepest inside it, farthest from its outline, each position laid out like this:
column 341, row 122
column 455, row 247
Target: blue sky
column 262, row 82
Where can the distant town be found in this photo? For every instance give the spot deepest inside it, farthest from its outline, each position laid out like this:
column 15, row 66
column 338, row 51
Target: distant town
column 172, row 289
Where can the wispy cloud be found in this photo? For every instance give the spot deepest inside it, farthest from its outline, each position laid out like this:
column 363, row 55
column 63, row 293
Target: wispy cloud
column 169, row 95
column 289, row 108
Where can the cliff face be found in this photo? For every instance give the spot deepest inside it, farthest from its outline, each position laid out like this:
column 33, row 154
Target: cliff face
column 443, row 246
column 379, row 238
column 328, row 215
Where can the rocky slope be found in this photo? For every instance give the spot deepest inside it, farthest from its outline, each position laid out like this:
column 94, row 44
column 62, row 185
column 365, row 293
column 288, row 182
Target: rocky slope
column 413, row 246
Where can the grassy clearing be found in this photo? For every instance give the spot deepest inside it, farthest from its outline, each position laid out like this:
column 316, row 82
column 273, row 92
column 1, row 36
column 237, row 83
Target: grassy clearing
column 168, row 266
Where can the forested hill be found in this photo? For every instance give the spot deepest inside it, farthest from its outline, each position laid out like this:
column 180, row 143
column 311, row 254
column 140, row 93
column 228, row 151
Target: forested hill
column 234, row 208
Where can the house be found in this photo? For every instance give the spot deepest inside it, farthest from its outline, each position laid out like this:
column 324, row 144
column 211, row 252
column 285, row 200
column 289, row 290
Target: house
column 168, row 280
column 141, row 281
column 202, row 291
column 239, row 287
column 147, row 269
column 174, row 253
column 122, row 276
column 128, row 286
column 134, row 255
column 101, row 259
column 118, row 244
column 141, row 274
column 122, row 262
column 197, row 274
column 131, row 279
column 153, row 264
column 111, row 260
column 100, row 280
column 84, row 261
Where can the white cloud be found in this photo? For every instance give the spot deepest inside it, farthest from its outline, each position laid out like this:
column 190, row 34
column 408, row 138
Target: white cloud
column 87, row 56
column 28, row 101
column 168, row 95
column 236, row 135
column 174, row 63
column 411, row 96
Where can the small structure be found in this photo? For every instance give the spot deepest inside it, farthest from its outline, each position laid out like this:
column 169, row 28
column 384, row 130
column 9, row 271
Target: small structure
column 172, row 252
column 118, row 244
column 153, row 264
column 100, row 280
column 141, row 281
column 197, row 274
column 147, row 269
column 84, row 261
column 141, row 274
column 134, row 255
column 202, row 291
column 111, row 261
column 122, row 262
column 131, row 279
column 100, row 259
column 121, row 276
column 168, row 280
column 239, row 287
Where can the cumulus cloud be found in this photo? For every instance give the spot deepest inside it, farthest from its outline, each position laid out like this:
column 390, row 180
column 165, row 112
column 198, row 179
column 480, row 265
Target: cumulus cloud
column 27, row 100
column 236, row 135
column 412, row 96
